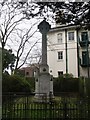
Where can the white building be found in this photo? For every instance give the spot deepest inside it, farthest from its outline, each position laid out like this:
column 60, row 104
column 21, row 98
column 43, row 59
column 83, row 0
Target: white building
column 69, row 50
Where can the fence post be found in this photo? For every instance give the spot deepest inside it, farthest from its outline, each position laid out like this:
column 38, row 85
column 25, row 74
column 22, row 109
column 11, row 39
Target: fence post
column 26, row 106
column 50, row 103
column 88, row 107
column 65, row 108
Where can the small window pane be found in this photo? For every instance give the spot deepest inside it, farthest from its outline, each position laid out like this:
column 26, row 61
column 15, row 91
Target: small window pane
column 71, row 35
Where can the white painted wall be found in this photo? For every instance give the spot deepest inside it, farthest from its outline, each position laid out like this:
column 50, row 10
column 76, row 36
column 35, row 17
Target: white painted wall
column 56, row 65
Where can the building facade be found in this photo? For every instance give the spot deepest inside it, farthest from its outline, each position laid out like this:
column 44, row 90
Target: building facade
column 29, row 71
column 69, row 50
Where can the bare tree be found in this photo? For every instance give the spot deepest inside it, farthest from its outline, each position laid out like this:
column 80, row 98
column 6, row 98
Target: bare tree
column 12, row 14
column 10, row 19
column 17, row 31
column 26, row 44
column 35, row 56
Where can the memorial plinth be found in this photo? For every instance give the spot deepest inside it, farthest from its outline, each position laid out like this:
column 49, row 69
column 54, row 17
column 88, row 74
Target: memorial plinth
column 43, row 81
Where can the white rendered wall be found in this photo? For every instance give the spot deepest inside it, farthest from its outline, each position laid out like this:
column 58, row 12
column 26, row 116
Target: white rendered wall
column 56, row 65
column 72, row 54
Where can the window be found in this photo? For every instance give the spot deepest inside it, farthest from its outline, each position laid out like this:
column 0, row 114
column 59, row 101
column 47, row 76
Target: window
column 60, row 73
column 84, row 36
column 27, row 73
column 60, row 55
column 59, row 37
column 71, row 36
column 84, row 58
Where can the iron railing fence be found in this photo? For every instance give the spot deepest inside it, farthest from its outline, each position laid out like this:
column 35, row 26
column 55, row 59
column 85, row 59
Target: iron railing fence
column 24, row 107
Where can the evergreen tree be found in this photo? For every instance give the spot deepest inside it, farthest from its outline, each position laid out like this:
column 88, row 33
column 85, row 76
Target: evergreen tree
column 8, row 59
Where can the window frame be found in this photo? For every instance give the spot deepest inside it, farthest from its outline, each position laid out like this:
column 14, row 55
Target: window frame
column 83, row 35
column 84, row 57
column 27, row 73
column 60, row 55
column 59, row 37
column 60, row 73
column 71, row 36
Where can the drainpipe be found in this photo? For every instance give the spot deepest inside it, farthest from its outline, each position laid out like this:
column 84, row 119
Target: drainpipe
column 66, row 51
column 78, row 58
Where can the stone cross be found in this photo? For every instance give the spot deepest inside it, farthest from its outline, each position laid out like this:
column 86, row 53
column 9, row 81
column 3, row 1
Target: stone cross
column 43, row 83
column 44, row 29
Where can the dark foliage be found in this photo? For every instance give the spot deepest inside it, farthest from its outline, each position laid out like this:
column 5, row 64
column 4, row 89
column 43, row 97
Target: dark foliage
column 72, row 12
column 8, row 59
column 61, row 12
column 66, row 84
column 31, row 81
column 15, row 84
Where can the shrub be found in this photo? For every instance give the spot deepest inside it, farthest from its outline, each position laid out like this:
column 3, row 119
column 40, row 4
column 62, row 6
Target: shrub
column 67, row 75
column 66, row 85
column 31, row 81
column 84, row 87
column 15, row 84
